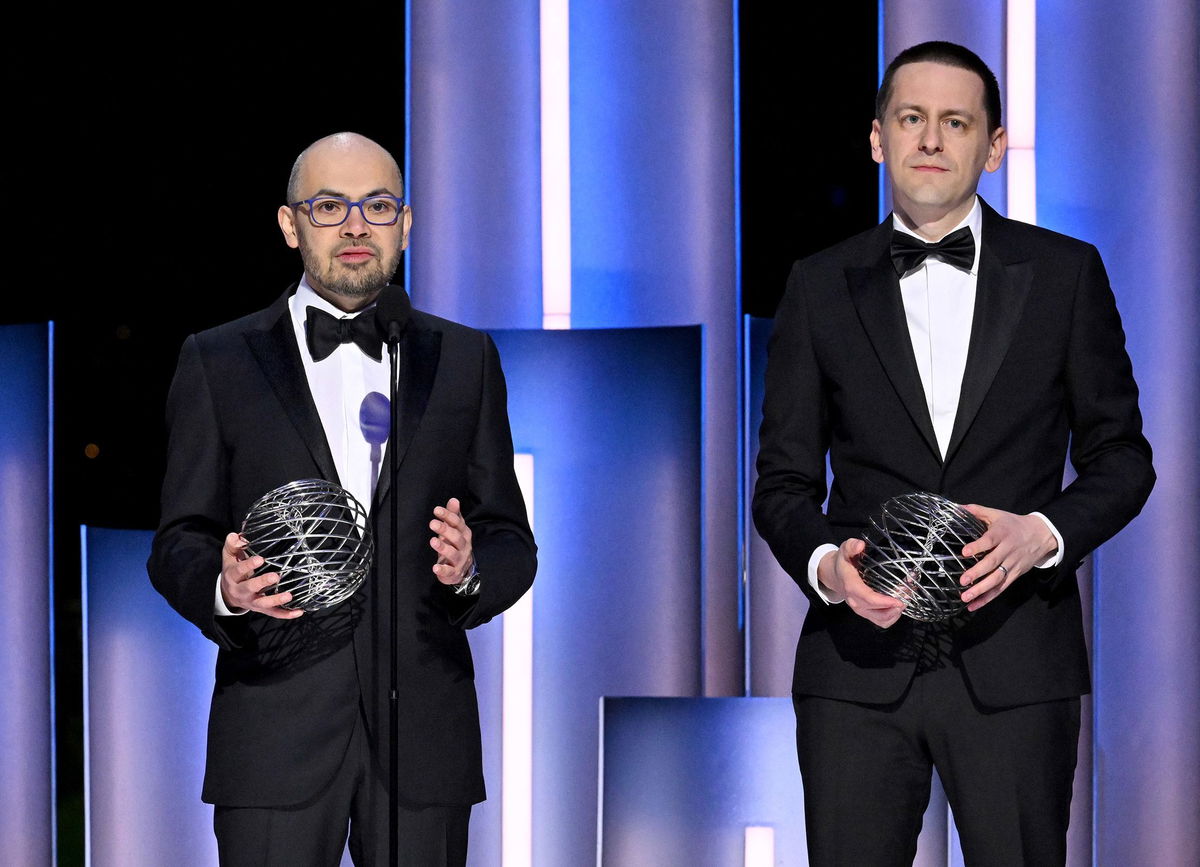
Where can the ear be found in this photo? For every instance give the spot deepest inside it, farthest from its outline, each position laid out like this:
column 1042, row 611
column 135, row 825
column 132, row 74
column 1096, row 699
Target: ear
column 876, row 142
column 996, row 149
column 405, row 227
column 287, row 224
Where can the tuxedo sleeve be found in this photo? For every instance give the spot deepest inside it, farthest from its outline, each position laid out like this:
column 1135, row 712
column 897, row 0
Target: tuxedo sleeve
column 1111, row 457
column 494, row 508
column 186, row 552
column 793, row 441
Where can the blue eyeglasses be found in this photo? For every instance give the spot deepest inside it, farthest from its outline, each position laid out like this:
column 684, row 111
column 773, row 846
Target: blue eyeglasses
column 334, row 210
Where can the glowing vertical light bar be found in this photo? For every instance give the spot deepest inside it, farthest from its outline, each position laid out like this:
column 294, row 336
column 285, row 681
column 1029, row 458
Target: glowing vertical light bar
column 1021, row 87
column 760, row 846
column 87, row 701
column 556, row 164
column 516, row 799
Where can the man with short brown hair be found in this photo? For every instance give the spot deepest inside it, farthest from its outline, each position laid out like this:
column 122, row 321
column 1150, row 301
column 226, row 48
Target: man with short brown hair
column 953, row 351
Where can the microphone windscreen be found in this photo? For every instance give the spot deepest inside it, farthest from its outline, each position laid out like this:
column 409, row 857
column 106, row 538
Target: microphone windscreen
column 374, row 418
column 392, row 312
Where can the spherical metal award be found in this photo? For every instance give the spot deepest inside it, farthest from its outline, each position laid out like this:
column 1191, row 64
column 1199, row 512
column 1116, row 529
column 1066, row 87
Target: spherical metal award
column 315, row 534
column 914, row 554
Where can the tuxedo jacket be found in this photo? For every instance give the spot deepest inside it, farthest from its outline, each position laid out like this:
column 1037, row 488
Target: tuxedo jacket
column 241, row 422
column 1047, row 374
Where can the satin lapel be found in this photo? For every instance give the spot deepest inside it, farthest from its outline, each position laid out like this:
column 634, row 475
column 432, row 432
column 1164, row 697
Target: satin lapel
column 875, row 292
column 277, row 354
column 420, row 350
column 1000, row 295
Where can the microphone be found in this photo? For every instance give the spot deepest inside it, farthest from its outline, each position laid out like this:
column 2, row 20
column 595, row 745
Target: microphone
column 392, row 312
column 374, row 420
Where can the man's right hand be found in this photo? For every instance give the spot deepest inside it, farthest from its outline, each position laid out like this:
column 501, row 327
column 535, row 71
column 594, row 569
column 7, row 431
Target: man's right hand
column 240, row 588
column 838, row 572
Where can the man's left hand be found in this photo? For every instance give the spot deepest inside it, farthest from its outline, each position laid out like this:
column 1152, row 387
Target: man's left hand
column 452, row 542
column 1010, row 547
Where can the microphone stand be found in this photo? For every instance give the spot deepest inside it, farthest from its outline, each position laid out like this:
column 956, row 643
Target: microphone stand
column 393, row 342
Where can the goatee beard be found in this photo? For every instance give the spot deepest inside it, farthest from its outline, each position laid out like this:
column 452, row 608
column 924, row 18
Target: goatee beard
column 357, row 281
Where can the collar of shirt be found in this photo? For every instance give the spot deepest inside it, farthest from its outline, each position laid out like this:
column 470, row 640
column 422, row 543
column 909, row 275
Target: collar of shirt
column 974, row 219
column 305, row 297
column 338, row 384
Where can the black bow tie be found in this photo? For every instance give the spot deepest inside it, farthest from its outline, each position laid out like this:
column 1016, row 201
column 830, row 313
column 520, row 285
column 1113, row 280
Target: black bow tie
column 957, row 249
column 326, row 333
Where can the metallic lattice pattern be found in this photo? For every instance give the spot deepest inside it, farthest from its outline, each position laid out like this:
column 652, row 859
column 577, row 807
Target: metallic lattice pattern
column 316, row 536
column 914, row 553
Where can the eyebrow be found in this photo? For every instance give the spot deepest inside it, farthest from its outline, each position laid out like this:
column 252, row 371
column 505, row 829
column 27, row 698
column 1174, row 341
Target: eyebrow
column 961, row 112
column 378, row 191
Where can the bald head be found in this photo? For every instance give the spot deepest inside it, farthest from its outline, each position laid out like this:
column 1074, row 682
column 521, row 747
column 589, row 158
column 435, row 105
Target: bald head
column 349, row 146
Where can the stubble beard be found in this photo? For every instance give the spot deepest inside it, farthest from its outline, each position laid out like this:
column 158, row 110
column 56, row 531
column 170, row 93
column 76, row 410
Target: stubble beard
column 354, row 280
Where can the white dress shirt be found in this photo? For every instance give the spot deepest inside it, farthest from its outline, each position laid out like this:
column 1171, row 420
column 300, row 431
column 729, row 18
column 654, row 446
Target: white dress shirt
column 338, row 383
column 939, row 305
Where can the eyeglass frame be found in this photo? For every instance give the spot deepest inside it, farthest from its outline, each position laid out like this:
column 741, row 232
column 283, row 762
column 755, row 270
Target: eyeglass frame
column 350, row 205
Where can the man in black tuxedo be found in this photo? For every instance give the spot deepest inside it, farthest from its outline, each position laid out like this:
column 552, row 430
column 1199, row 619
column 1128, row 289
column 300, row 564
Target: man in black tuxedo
column 967, row 370
column 298, row 746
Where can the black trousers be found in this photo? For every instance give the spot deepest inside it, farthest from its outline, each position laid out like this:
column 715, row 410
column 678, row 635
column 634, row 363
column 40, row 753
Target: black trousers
column 867, row 773
column 355, row 801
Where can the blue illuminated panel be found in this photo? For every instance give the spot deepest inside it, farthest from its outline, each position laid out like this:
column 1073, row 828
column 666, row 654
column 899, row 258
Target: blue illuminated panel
column 26, row 547
column 682, row 778
column 147, row 681
column 612, row 418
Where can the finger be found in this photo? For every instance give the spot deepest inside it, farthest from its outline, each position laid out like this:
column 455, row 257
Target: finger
column 243, row 570
column 989, row 541
column 874, row 603
column 853, row 548
column 261, row 583
column 986, row 565
column 983, row 513
column 234, row 548
column 451, row 512
column 447, row 574
column 984, row 599
column 996, row 581
column 445, row 516
column 447, row 551
column 447, row 533
column 883, row 619
column 271, row 606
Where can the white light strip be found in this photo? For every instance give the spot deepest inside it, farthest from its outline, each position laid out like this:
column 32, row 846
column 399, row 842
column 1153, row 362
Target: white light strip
column 556, row 164
column 516, row 799
column 760, row 846
column 1021, row 108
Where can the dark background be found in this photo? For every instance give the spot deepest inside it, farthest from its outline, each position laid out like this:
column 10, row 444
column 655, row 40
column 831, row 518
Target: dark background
column 120, row 166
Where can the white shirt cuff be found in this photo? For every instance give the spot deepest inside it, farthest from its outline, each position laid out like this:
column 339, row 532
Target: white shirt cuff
column 1056, row 558
column 815, row 561
column 219, row 606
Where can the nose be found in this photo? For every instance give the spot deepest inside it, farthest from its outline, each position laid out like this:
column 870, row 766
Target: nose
column 931, row 138
column 356, row 225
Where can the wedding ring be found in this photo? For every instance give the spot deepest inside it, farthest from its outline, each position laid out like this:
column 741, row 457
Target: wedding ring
column 1003, row 569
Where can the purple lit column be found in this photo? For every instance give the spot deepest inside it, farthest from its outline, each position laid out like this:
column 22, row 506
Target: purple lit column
column 26, row 670
column 1118, row 89
column 653, row 232
column 474, row 177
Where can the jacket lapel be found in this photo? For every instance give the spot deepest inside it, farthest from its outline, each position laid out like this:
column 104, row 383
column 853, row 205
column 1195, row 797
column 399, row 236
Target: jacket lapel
column 875, row 291
column 419, row 350
column 1005, row 277
column 277, row 354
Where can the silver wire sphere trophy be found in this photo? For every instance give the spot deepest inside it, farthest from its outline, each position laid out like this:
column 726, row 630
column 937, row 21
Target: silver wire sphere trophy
column 914, row 554
column 316, row 536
